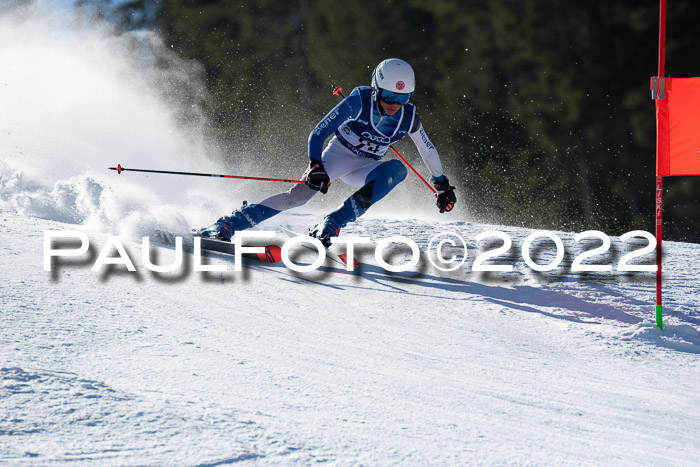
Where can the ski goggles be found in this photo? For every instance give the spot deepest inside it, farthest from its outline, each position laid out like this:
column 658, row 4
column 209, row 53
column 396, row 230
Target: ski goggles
column 394, row 97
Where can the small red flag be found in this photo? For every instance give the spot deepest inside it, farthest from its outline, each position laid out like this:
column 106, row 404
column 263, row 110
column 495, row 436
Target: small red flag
column 678, row 128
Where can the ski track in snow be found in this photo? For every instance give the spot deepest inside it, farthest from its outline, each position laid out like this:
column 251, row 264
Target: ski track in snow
column 269, row 366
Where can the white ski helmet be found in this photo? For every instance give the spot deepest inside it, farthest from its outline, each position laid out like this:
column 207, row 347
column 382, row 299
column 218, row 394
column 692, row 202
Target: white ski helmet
column 393, row 75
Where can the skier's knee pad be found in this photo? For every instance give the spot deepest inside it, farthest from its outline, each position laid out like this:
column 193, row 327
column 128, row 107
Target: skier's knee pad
column 381, row 181
column 390, row 173
column 398, row 171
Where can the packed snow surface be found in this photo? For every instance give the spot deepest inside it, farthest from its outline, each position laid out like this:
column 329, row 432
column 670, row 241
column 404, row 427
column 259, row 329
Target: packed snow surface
column 269, row 366
column 370, row 367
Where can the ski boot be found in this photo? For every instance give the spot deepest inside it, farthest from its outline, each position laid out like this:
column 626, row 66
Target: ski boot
column 241, row 219
column 350, row 210
column 221, row 229
column 325, row 231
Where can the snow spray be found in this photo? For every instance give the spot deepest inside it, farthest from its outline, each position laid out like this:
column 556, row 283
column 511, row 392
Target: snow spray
column 77, row 95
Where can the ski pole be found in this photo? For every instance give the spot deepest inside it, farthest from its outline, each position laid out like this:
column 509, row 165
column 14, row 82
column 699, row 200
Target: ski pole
column 121, row 169
column 338, row 91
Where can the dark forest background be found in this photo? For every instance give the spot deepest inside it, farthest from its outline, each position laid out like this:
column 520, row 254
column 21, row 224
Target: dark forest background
column 540, row 109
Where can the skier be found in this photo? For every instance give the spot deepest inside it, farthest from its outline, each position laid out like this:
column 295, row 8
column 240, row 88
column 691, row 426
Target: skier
column 364, row 125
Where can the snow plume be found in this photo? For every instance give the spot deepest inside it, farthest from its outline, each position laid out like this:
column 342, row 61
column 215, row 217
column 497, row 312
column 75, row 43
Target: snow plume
column 79, row 97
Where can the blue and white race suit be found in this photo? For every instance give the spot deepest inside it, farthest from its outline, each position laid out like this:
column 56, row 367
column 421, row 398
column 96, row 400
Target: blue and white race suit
column 361, row 137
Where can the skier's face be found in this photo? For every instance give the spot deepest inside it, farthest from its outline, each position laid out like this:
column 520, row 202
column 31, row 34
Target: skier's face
column 389, row 109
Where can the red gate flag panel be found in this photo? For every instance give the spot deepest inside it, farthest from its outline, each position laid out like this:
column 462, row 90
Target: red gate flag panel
column 678, row 128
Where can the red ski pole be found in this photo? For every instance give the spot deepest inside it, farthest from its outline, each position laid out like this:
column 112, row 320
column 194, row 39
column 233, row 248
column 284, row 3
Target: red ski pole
column 121, row 169
column 338, row 91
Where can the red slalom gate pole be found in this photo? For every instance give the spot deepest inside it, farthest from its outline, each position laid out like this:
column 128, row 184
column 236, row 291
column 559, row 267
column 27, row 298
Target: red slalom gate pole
column 660, row 178
column 662, row 37
column 659, row 195
column 338, row 91
column 121, row 169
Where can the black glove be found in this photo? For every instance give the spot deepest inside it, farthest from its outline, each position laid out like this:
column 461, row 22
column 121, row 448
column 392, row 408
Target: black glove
column 446, row 198
column 316, row 176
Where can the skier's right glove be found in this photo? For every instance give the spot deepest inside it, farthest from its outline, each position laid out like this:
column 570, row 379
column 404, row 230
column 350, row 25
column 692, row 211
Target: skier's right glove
column 316, row 176
column 446, row 198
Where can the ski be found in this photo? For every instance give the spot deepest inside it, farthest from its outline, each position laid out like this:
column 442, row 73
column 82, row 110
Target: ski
column 341, row 259
column 272, row 253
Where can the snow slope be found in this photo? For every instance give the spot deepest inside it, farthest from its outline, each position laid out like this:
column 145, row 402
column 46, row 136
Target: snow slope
column 265, row 365
column 272, row 367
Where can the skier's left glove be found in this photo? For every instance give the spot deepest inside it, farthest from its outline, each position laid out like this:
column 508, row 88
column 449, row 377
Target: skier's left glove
column 316, row 176
column 446, row 198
